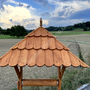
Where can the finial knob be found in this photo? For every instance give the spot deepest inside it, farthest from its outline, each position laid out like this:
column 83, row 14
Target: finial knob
column 40, row 22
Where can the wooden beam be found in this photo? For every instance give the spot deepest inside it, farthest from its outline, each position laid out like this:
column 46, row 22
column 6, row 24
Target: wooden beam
column 62, row 71
column 40, row 82
column 59, row 78
column 17, row 71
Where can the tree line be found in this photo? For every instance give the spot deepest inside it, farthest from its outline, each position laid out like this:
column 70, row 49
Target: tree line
column 21, row 31
column 85, row 26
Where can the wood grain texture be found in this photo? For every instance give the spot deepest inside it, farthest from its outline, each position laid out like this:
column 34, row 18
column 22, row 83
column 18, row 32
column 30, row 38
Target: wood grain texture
column 44, row 43
column 43, row 32
column 22, row 60
column 40, row 58
column 14, row 57
column 30, row 43
column 38, row 32
column 37, row 42
column 40, row 82
column 57, row 58
column 59, row 45
column 22, row 44
column 65, row 58
column 51, row 43
column 31, row 57
column 4, row 61
column 74, row 61
column 48, row 58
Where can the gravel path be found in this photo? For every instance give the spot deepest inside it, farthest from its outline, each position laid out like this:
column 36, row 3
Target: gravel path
column 8, row 76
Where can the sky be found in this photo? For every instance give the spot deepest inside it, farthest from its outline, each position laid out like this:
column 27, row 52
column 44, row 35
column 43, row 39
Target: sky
column 27, row 13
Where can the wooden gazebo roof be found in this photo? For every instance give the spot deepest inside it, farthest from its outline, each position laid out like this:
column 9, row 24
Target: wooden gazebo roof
column 40, row 48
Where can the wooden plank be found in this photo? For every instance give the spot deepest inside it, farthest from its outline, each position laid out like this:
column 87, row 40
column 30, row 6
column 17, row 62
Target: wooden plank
column 30, row 43
column 57, row 58
column 22, row 44
column 40, row 58
column 51, row 43
column 4, row 60
column 37, row 42
column 48, row 57
column 66, row 58
column 14, row 57
column 40, row 82
column 44, row 43
column 22, row 61
column 74, row 61
column 17, row 71
column 32, row 57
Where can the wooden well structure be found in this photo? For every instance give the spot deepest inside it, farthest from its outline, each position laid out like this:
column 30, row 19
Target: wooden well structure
column 40, row 48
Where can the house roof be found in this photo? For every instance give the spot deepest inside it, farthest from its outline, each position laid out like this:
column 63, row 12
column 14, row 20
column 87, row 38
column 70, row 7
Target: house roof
column 40, row 48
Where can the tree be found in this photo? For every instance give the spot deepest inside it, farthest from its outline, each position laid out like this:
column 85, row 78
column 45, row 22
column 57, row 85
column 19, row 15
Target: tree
column 85, row 29
column 0, row 30
column 18, row 31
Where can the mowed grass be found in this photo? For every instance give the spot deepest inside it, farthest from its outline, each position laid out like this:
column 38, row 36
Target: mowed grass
column 9, row 37
column 58, row 33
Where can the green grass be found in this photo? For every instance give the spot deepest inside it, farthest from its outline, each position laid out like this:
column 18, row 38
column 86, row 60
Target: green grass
column 59, row 33
column 9, row 37
column 72, row 79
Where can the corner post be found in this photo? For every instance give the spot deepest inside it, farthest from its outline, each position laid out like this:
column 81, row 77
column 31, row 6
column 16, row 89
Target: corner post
column 59, row 78
column 20, row 79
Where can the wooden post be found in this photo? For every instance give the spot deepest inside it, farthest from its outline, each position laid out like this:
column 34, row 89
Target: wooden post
column 20, row 79
column 59, row 78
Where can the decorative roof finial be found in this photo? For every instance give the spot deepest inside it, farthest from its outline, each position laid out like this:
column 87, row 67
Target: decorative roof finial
column 40, row 22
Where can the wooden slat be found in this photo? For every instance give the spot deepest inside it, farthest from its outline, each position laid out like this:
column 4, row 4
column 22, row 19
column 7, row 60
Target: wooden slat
column 37, row 42
column 22, row 44
column 74, row 61
column 44, row 42
column 48, row 57
column 14, row 57
column 30, row 43
column 57, row 58
column 40, row 58
column 38, row 32
column 32, row 57
column 4, row 60
column 23, row 57
column 59, row 45
column 65, row 58
column 51, row 43
column 40, row 82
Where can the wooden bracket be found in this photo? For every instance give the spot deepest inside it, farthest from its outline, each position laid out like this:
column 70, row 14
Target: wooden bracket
column 17, row 71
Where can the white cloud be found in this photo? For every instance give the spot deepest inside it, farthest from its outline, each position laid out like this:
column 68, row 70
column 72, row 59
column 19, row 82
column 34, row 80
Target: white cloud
column 14, row 15
column 72, row 7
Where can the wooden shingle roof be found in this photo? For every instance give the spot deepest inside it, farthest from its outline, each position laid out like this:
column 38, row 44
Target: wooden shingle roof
column 40, row 48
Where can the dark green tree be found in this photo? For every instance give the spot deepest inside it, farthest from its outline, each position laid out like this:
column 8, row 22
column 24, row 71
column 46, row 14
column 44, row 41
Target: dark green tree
column 18, row 31
column 1, row 30
column 85, row 29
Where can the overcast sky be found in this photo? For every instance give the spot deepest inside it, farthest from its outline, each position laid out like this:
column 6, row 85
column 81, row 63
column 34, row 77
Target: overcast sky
column 53, row 12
